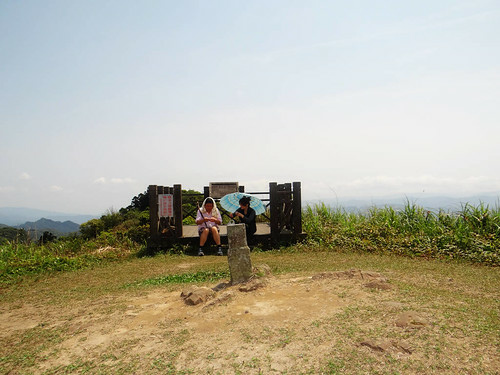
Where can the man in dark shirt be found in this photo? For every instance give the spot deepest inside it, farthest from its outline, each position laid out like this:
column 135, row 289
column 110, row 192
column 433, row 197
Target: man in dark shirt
column 246, row 214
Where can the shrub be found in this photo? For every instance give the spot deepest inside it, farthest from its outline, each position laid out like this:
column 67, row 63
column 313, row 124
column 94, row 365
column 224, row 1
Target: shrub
column 471, row 234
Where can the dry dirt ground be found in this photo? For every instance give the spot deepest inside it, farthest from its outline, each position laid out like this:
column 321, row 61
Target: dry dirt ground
column 319, row 323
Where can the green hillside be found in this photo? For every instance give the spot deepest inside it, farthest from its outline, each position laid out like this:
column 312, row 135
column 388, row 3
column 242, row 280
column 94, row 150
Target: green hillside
column 12, row 234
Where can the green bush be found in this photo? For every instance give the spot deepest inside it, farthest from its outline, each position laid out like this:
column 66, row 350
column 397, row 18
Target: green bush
column 91, row 228
column 12, row 234
column 132, row 224
column 19, row 259
column 472, row 234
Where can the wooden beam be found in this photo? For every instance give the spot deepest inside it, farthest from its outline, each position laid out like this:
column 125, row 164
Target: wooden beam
column 297, row 208
column 274, row 212
column 153, row 210
column 287, row 206
column 178, row 210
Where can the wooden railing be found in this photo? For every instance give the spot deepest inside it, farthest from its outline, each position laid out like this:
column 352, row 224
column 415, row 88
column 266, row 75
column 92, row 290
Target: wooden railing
column 283, row 203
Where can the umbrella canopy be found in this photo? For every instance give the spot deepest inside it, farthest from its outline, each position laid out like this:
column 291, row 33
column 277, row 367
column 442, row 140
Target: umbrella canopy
column 231, row 202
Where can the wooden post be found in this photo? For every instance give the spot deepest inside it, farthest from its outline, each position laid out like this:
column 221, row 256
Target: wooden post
column 287, row 206
column 241, row 189
column 153, row 210
column 206, row 192
column 297, row 208
column 178, row 210
column 171, row 220
column 274, row 208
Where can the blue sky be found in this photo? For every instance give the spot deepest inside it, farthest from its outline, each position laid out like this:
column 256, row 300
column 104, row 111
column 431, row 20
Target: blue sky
column 100, row 99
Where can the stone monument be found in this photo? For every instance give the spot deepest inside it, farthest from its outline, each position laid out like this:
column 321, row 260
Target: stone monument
column 238, row 255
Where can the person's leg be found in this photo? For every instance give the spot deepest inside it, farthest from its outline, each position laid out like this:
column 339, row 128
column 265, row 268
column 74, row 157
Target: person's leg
column 216, row 237
column 203, row 238
column 250, row 237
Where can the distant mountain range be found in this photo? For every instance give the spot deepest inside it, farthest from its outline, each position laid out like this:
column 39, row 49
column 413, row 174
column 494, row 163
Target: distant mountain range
column 13, row 216
column 57, row 228
column 35, row 229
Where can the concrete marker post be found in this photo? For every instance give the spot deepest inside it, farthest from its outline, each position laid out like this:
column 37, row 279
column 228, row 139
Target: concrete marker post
column 238, row 255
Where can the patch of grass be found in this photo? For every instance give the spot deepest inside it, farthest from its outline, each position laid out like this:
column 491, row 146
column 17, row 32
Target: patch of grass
column 68, row 254
column 284, row 337
column 183, row 278
column 30, row 348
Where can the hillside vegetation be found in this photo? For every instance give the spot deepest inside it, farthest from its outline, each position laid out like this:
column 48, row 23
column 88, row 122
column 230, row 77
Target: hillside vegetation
column 473, row 234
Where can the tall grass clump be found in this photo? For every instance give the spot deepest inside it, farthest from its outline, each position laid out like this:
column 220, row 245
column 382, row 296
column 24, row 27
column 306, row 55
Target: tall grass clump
column 472, row 233
column 18, row 259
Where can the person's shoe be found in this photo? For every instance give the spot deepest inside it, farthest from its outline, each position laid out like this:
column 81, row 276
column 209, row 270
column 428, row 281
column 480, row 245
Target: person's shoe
column 200, row 253
column 219, row 252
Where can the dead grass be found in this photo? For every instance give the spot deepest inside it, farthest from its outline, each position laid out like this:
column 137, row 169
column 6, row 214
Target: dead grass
column 89, row 322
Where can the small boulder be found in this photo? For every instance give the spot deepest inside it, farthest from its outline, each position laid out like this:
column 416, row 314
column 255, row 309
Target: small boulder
column 402, row 346
column 196, row 295
column 221, row 286
column 410, row 319
column 261, row 270
column 224, row 297
column 387, row 346
column 253, row 284
column 377, row 346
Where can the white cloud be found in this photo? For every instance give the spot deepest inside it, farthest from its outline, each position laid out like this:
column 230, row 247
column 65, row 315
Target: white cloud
column 5, row 189
column 55, row 188
column 126, row 180
column 100, row 180
column 24, row 176
column 114, row 180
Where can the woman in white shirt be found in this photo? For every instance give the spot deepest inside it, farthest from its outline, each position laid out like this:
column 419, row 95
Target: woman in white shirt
column 208, row 219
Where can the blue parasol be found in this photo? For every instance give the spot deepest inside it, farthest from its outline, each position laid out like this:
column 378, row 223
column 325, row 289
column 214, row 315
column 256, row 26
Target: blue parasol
column 231, row 202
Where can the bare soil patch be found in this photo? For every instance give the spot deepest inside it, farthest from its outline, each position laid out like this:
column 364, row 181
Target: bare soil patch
column 328, row 322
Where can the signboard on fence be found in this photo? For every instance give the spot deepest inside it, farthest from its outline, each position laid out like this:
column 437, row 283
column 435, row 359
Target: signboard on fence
column 166, row 205
column 219, row 189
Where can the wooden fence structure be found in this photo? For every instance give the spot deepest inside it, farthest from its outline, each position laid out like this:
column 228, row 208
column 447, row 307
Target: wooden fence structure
column 283, row 213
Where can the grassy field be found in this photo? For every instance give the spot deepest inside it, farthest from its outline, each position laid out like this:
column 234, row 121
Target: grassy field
column 94, row 305
column 126, row 317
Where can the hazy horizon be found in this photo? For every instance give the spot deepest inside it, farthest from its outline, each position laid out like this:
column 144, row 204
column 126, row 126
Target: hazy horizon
column 435, row 203
column 358, row 99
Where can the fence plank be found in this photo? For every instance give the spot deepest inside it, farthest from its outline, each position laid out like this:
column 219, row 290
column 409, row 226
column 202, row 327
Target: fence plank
column 274, row 212
column 178, row 210
column 297, row 208
column 153, row 210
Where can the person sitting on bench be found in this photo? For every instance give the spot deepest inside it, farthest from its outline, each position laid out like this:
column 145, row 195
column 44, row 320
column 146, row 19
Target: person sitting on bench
column 246, row 214
column 208, row 219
